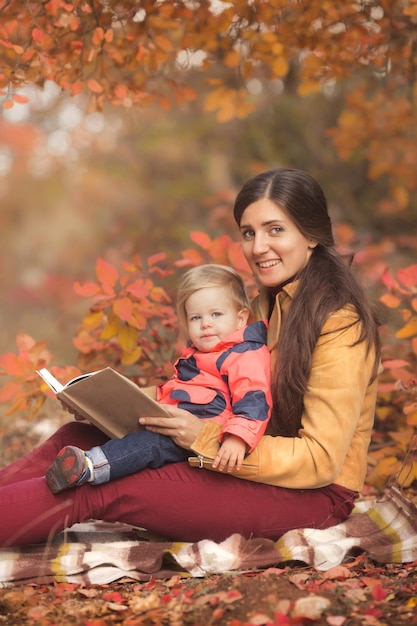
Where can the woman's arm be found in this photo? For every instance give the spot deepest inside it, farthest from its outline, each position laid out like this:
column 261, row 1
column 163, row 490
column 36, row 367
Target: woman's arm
column 337, row 421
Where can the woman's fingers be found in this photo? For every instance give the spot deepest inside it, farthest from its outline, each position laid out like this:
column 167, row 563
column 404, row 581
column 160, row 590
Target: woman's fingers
column 182, row 426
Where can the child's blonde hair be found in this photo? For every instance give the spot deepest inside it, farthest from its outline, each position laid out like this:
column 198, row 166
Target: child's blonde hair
column 209, row 275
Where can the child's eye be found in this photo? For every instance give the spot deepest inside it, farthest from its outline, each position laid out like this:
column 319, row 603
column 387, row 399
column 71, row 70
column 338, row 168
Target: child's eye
column 194, row 318
column 217, row 314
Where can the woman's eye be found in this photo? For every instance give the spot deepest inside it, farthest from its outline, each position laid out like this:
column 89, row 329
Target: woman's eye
column 247, row 234
column 275, row 230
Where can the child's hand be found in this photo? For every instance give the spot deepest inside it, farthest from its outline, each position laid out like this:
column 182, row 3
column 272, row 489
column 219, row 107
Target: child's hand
column 231, row 454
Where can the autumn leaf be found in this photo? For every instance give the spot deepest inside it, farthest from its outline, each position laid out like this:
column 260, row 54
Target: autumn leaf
column 111, row 328
column 95, row 86
column 107, row 275
column 390, row 300
column 407, row 276
column 409, row 330
column 92, row 321
column 87, row 289
column 123, row 307
column 202, row 239
column 128, row 338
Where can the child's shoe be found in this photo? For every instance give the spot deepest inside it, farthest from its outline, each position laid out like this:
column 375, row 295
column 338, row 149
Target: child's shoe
column 71, row 468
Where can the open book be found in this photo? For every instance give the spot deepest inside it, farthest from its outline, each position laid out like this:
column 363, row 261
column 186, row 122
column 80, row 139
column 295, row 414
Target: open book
column 107, row 399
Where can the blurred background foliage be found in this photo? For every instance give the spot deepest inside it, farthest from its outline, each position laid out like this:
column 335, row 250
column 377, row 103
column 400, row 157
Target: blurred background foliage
column 123, row 181
column 126, row 126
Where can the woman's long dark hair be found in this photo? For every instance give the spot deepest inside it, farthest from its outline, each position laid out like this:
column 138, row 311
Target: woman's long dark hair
column 326, row 284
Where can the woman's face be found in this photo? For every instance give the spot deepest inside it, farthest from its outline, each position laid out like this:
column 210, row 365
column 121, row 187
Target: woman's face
column 273, row 246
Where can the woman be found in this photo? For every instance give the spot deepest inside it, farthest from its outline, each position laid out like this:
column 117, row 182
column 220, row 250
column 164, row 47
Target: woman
column 309, row 469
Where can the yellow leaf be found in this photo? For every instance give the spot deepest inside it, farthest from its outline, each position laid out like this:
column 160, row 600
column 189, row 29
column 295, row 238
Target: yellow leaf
column 390, row 300
column 280, row 67
column 277, row 48
column 411, row 415
column 128, row 358
column 111, row 328
column 127, row 337
column 232, row 58
column 383, row 412
column 409, row 330
column 410, row 11
column 401, row 196
column 308, row 87
column 226, row 113
column 93, row 321
column 407, row 474
column 214, row 99
column 348, row 119
column 164, row 43
column 158, row 294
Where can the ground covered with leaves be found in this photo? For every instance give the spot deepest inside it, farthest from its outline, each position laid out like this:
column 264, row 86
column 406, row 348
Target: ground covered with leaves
column 357, row 593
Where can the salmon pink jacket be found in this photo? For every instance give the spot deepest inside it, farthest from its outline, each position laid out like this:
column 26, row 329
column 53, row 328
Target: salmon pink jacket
column 230, row 385
column 338, row 416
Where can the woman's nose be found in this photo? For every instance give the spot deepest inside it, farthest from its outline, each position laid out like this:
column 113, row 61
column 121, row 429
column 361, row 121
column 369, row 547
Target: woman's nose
column 259, row 244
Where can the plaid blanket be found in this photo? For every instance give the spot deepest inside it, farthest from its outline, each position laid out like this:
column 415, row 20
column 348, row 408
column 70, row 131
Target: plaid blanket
column 99, row 553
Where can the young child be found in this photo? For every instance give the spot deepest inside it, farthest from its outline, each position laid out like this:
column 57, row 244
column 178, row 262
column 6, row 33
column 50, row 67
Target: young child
column 223, row 375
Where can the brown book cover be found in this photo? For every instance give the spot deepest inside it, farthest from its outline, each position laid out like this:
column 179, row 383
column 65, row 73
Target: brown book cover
column 107, row 399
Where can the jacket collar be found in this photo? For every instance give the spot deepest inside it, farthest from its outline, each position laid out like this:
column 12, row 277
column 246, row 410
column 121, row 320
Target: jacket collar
column 264, row 297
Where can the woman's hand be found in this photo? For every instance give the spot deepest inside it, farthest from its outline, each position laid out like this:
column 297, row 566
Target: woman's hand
column 76, row 415
column 182, row 426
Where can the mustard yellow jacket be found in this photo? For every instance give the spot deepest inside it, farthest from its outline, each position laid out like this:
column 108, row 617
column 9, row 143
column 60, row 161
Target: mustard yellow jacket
column 338, row 417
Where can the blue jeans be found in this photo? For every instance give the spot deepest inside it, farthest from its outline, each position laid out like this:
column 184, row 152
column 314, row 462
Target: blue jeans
column 134, row 452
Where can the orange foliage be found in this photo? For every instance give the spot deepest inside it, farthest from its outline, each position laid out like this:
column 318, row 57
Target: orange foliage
column 134, row 54
column 397, row 403
column 131, row 325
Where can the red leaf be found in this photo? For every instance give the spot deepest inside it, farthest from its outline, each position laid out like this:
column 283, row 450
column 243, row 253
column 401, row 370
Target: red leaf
column 123, row 308
column 378, row 593
column 87, row 290
column 155, row 258
column 114, row 596
column 17, row 97
column 8, row 391
column 94, row 86
column 201, row 239
column 388, row 279
column 98, row 36
column 395, row 364
column 138, row 289
column 374, row 613
column 37, row 35
column 107, row 274
column 408, row 276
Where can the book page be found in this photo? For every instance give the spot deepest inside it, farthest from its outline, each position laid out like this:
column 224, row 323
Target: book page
column 50, row 380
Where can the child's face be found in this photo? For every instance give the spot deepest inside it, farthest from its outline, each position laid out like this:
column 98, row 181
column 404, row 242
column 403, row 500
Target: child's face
column 211, row 315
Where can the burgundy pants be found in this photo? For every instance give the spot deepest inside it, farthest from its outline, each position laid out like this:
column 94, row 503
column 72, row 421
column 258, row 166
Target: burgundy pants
column 176, row 501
